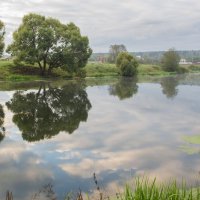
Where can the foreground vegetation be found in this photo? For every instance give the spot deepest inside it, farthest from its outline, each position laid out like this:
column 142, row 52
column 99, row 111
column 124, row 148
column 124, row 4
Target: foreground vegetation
column 143, row 189
column 147, row 190
column 11, row 72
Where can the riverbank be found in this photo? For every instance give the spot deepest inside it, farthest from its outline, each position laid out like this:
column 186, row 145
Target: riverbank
column 141, row 189
column 10, row 72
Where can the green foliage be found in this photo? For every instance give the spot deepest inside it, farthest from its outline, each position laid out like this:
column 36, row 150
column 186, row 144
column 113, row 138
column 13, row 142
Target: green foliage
column 81, row 73
column 114, row 52
column 43, row 114
column 148, row 190
column 2, row 33
column 101, row 69
column 50, row 44
column 194, row 68
column 170, row 61
column 127, row 64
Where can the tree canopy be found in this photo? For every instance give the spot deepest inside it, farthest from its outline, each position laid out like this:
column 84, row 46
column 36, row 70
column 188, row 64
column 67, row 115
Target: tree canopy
column 43, row 114
column 170, row 60
column 127, row 64
column 114, row 52
column 50, row 44
column 2, row 33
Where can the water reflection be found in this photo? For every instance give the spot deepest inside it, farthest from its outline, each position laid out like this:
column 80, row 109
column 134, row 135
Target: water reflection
column 124, row 88
column 169, row 86
column 117, row 142
column 2, row 128
column 43, row 114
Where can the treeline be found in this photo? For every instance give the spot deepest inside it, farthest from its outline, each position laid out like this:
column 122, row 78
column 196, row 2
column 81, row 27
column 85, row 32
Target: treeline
column 152, row 57
column 46, row 43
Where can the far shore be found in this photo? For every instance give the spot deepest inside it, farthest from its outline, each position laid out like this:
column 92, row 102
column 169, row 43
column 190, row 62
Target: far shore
column 11, row 72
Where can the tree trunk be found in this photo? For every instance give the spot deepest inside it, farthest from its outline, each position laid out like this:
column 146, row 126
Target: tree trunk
column 42, row 72
column 49, row 70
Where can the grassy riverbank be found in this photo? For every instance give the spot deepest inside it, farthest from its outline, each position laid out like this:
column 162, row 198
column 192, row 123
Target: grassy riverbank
column 150, row 190
column 10, row 72
column 142, row 189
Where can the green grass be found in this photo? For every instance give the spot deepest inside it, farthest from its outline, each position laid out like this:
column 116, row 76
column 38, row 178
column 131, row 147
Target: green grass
column 106, row 69
column 10, row 72
column 145, row 189
column 153, row 70
column 101, row 69
column 142, row 189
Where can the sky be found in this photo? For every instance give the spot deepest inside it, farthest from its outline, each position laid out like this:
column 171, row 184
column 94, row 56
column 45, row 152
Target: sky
column 148, row 25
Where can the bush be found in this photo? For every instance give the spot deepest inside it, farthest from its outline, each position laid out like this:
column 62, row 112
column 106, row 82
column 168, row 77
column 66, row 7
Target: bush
column 127, row 64
column 182, row 70
column 81, row 73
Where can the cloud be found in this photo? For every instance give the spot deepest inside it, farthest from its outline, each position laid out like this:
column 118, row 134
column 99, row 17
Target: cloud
column 140, row 25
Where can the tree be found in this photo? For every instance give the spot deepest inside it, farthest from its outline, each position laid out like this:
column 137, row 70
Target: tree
column 127, row 64
column 2, row 33
column 114, row 52
column 50, row 44
column 124, row 88
column 170, row 60
column 43, row 114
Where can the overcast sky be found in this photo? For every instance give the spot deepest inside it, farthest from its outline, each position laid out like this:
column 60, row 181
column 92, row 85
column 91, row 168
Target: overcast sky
column 142, row 25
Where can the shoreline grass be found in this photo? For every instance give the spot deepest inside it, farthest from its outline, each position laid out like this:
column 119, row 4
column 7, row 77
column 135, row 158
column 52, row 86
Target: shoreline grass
column 10, row 72
column 142, row 189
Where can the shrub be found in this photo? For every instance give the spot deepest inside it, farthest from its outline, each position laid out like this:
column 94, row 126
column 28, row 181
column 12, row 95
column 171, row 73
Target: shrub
column 127, row 64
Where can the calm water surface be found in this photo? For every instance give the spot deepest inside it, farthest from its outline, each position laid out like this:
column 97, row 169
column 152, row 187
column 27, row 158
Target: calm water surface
column 60, row 133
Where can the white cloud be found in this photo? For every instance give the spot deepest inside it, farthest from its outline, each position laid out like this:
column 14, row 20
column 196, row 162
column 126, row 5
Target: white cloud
column 141, row 25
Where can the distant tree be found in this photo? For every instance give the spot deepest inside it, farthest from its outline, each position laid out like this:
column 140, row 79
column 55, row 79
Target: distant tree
column 2, row 33
column 50, row 44
column 124, row 88
column 127, row 64
column 2, row 129
column 170, row 60
column 114, row 52
column 43, row 114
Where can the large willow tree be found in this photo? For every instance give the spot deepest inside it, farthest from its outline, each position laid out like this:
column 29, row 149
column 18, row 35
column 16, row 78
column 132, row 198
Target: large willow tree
column 50, row 44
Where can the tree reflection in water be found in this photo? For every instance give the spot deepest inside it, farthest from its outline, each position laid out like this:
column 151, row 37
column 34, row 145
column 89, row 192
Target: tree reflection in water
column 124, row 88
column 169, row 86
column 2, row 128
column 43, row 114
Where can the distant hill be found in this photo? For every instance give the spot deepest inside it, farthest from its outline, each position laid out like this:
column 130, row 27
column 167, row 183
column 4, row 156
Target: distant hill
column 152, row 56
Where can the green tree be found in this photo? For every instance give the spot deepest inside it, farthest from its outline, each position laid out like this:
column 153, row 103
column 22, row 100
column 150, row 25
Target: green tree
column 114, row 52
column 2, row 129
column 43, row 114
column 170, row 60
column 124, row 88
column 2, row 33
column 127, row 64
column 50, row 44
